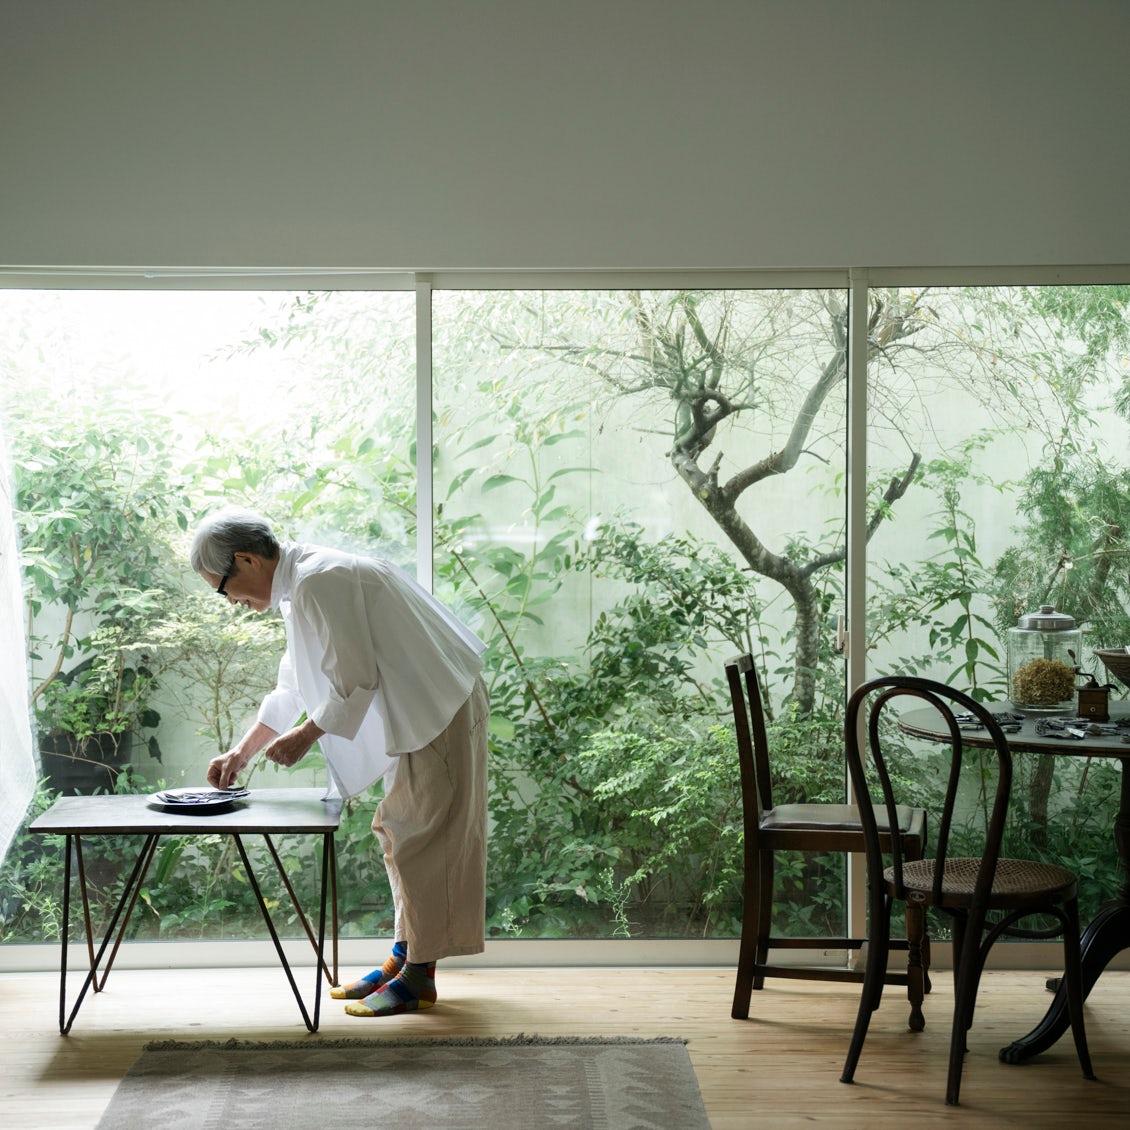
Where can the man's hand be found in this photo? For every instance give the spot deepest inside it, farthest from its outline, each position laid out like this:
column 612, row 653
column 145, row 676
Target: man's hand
column 223, row 770
column 290, row 748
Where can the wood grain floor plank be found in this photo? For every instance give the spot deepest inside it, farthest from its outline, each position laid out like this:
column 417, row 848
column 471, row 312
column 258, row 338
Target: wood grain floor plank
column 777, row 1070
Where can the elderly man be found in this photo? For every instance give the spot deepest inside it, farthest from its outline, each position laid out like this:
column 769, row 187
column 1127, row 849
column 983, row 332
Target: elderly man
column 389, row 682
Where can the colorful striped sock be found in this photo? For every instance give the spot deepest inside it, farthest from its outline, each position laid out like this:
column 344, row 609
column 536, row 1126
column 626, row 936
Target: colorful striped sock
column 412, row 988
column 373, row 981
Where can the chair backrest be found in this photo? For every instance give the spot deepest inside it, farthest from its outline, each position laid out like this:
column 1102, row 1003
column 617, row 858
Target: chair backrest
column 753, row 746
column 942, row 698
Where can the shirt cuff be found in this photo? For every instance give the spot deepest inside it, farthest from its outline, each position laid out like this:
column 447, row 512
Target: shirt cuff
column 280, row 710
column 343, row 716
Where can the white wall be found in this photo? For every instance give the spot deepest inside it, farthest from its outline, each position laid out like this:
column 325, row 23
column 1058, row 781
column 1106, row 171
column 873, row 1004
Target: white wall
column 619, row 134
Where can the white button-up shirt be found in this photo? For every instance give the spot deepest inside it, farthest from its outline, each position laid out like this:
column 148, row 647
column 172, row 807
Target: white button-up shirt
column 371, row 657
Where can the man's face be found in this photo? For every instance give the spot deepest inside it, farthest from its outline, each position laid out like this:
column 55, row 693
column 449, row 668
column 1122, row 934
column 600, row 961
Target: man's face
column 248, row 583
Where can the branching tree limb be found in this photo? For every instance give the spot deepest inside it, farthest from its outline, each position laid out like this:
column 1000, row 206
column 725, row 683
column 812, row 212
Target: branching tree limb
column 896, row 488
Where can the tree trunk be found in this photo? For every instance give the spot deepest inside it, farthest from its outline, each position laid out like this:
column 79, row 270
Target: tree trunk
column 806, row 602
column 700, row 408
column 1039, row 790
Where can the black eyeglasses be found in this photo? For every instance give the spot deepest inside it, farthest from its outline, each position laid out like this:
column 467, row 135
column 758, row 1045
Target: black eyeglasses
column 221, row 588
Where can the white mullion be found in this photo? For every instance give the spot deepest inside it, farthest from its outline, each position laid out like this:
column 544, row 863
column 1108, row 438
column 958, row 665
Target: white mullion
column 424, row 468
column 200, row 278
column 792, row 279
column 1068, row 275
column 857, row 552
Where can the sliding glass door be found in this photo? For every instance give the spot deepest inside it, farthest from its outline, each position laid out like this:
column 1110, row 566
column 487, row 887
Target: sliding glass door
column 627, row 486
column 129, row 414
column 1010, row 404
column 632, row 486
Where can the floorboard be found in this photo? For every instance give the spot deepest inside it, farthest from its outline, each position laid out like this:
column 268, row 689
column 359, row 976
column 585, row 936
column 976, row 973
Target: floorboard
column 778, row 1069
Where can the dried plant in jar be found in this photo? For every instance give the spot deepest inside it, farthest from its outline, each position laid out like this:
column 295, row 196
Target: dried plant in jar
column 1043, row 682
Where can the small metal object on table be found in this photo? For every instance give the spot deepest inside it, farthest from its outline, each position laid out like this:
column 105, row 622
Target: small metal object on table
column 1108, row 933
column 264, row 812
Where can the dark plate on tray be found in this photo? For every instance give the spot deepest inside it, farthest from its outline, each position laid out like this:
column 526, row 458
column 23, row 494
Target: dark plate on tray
column 200, row 800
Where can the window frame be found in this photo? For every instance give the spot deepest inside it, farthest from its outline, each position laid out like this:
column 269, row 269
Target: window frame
column 855, row 281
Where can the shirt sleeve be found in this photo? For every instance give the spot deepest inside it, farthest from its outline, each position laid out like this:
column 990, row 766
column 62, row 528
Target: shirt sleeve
column 281, row 708
column 332, row 604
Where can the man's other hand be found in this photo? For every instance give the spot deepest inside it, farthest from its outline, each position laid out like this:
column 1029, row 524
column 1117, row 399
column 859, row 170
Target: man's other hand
column 289, row 748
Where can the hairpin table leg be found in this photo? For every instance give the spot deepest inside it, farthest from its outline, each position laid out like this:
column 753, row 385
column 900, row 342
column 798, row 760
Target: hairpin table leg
column 65, row 1025
column 333, row 891
column 153, row 841
column 85, row 905
column 327, row 850
column 298, row 909
column 274, row 935
column 64, row 933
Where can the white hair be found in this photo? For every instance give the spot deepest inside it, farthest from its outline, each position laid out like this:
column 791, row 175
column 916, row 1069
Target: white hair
column 227, row 532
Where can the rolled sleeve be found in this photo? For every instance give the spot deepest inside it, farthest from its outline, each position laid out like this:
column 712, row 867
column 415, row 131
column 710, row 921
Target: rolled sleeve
column 343, row 716
column 280, row 710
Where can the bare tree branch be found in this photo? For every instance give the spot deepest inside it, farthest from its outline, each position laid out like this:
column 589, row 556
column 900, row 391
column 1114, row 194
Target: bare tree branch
column 785, row 459
column 705, row 489
column 896, row 488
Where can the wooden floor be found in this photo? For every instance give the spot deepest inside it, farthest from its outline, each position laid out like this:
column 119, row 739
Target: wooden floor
column 778, row 1069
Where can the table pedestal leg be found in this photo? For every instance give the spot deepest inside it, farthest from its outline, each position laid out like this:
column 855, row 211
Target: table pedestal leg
column 1107, row 935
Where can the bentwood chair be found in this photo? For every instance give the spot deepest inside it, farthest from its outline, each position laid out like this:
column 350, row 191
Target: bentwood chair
column 771, row 828
column 965, row 889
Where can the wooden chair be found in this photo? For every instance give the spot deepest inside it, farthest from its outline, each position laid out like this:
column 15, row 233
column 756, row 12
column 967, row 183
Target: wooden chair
column 771, row 828
column 965, row 889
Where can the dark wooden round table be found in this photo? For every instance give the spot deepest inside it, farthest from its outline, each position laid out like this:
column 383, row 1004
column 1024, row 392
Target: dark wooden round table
column 1108, row 933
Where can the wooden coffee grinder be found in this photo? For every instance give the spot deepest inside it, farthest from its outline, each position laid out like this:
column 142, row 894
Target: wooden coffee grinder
column 1094, row 700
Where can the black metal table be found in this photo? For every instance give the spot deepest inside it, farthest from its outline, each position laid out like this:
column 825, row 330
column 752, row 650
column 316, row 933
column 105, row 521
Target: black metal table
column 264, row 812
column 1108, row 933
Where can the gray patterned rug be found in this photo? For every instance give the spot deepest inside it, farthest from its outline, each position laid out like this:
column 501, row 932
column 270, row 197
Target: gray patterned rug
column 575, row 1083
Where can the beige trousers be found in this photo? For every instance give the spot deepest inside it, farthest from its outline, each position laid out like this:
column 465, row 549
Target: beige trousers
column 432, row 824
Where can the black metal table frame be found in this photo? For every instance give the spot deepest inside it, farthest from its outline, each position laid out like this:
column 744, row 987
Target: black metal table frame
column 129, row 898
column 1105, row 936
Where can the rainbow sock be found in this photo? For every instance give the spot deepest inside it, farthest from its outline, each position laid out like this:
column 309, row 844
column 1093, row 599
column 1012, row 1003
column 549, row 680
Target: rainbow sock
column 412, row 988
column 373, row 981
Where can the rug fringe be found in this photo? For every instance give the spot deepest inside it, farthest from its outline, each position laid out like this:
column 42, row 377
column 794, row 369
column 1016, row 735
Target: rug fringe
column 315, row 1041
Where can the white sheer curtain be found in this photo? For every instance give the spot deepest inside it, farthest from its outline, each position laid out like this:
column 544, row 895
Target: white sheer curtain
column 17, row 756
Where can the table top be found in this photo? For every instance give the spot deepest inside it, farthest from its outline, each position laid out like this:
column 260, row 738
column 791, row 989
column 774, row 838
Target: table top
column 264, row 810
column 927, row 723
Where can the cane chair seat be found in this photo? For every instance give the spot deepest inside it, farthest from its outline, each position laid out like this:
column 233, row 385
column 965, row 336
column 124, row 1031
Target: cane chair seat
column 1016, row 883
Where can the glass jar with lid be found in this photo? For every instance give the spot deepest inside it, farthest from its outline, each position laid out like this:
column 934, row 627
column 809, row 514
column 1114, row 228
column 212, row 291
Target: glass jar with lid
column 1043, row 651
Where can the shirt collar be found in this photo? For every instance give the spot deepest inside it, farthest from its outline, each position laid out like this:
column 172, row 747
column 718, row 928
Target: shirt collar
column 283, row 580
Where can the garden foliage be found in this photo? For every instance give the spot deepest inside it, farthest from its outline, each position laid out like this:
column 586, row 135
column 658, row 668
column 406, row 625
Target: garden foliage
column 614, row 801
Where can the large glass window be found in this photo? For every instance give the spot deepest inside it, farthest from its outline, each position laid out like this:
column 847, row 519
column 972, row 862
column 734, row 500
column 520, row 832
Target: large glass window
column 633, row 486
column 1002, row 412
column 129, row 415
column 630, row 486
